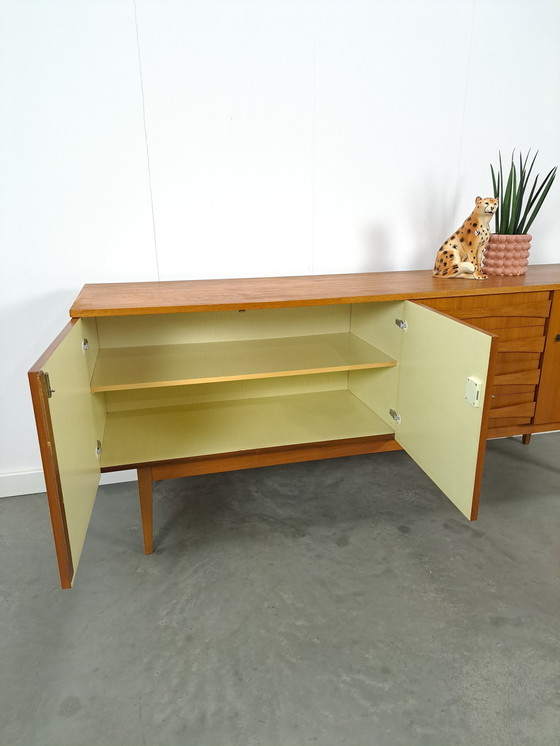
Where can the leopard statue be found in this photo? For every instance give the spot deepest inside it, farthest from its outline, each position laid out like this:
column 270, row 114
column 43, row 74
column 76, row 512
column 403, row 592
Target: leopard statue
column 461, row 255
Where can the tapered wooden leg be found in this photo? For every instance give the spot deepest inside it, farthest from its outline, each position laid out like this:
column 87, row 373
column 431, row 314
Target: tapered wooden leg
column 146, row 506
column 526, row 439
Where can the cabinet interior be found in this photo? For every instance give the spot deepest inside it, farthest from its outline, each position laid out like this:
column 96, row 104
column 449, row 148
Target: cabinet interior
column 191, row 384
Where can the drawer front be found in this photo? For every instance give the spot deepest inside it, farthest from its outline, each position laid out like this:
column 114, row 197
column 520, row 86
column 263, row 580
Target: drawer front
column 519, row 319
column 548, row 405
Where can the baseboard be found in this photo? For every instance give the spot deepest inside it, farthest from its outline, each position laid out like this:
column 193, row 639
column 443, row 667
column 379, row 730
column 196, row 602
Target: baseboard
column 32, row 482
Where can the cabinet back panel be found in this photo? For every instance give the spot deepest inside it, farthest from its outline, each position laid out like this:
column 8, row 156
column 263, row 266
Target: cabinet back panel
column 218, row 326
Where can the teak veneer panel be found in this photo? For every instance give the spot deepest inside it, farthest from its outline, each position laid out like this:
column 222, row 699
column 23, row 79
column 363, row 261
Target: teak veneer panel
column 516, row 410
column 510, row 333
column 40, row 394
column 499, row 429
column 530, row 344
column 273, row 456
column 121, row 299
column 526, row 310
column 519, row 377
column 487, row 302
column 504, row 398
column 520, row 320
column 548, row 406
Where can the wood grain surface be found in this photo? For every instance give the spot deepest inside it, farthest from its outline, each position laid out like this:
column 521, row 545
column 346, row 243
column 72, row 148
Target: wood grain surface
column 548, row 401
column 118, row 299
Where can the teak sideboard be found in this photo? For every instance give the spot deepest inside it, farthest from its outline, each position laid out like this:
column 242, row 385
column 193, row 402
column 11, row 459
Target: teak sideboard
column 196, row 377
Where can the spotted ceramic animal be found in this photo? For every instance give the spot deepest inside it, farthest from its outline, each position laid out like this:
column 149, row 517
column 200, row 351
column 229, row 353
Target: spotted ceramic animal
column 461, row 255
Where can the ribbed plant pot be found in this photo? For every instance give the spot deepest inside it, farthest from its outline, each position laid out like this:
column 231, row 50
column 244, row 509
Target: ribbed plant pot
column 506, row 255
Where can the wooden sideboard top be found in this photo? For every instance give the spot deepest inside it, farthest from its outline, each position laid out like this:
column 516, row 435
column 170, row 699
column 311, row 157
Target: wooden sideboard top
column 135, row 298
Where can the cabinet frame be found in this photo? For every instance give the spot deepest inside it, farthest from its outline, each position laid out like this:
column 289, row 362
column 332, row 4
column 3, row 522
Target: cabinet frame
column 200, row 296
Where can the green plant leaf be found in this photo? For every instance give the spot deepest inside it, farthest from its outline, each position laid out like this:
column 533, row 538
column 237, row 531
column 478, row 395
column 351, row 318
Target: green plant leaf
column 494, row 182
column 506, row 207
column 520, row 193
column 546, row 184
column 503, row 181
column 513, row 199
column 534, row 196
column 496, row 190
column 517, row 211
column 529, row 204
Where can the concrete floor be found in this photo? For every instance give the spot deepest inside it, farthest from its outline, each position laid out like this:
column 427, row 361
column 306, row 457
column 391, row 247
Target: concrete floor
column 336, row 602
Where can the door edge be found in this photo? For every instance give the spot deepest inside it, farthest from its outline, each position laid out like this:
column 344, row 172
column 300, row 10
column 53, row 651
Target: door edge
column 486, row 412
column 39, row 395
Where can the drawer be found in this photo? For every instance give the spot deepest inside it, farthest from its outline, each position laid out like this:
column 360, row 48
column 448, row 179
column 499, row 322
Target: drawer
column 519, row 319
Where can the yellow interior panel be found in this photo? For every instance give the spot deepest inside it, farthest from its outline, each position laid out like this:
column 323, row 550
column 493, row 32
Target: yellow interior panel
column 78, row 421
column 222, row 326
column 376, row 323
column 377, row 389
column 439, row 429
column 133, row 437
column 175, row 365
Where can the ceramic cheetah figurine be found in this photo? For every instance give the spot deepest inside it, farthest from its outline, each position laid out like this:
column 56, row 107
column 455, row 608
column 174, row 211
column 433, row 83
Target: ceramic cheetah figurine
column 461, row 255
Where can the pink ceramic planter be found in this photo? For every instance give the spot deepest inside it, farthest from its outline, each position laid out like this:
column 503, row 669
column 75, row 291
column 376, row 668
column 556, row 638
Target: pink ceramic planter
column 506, row 255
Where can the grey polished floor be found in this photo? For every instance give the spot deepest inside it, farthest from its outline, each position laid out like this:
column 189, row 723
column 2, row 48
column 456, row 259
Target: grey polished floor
column 337, row 602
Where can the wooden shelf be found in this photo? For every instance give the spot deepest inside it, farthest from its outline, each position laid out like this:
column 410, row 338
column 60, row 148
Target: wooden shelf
column 151, row 435
column 211, row 362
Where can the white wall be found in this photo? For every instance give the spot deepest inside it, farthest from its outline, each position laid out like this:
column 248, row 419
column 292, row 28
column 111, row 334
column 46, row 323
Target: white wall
column 284, row 137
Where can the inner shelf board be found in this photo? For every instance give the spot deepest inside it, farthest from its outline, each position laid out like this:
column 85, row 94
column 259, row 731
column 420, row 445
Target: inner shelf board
column 148, row 435
column 208, row 362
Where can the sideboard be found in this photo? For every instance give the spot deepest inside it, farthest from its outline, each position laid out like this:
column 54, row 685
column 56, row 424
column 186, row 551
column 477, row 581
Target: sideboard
column 196, row 377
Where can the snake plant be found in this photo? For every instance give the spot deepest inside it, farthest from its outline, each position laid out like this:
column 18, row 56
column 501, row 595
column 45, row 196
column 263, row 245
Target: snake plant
column 518, row 205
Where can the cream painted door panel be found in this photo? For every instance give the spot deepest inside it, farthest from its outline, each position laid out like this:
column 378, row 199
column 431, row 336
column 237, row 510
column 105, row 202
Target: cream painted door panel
column 439, row 428
column 70, row 422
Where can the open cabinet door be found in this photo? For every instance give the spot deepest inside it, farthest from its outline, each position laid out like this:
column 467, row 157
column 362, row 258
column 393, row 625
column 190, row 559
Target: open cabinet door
column 439, row 428
column 70, row 422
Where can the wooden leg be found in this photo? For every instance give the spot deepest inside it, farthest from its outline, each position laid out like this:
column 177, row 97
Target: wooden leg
column 526, row 439
column 146, row 506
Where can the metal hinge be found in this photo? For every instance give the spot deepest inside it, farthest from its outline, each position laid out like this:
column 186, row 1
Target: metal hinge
column 402, row 324
column 50, row 391
column 396, row 416
column 98, row 449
